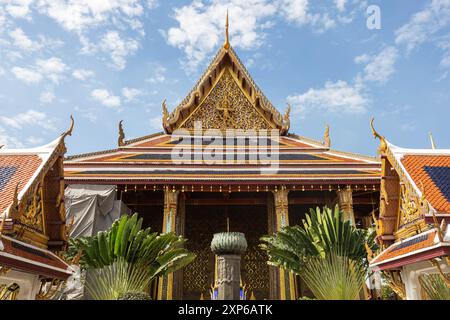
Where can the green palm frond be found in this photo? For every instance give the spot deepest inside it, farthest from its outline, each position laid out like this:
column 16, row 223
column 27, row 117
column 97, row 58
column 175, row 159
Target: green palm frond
column 112, row 281
column 320, row 233
column 160, row 253
column 435, row 287
column 334, row 277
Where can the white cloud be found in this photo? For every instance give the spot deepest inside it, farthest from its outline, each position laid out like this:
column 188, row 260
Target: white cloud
column 130, row 94
column 201, row 27
column 2, row 71
column 364, row 58
column 299, row 12
column 82, row 74
column 106, row 98
column 118, row 48
column 340, row 4
column 9, row 141
column 22, row 41
column 35, row 141
column 158, row 74
column 27, row 75
column 87, row 113
column 47, row 97
column 18, row 8
column 78, row 15
column 424, row 25
column 30, row 117
column 336, row 97
column 53, row 68
column 156, row 123
column 379, row 68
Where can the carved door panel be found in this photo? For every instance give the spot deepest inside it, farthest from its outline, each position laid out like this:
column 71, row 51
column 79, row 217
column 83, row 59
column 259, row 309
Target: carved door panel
column 201, row 223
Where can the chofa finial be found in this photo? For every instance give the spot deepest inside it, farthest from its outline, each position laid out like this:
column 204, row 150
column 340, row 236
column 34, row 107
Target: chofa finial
column 121, row 140
column 227, row 40
column 433, row 145
column 383, row 144
column 326, row 136
column 69, row 131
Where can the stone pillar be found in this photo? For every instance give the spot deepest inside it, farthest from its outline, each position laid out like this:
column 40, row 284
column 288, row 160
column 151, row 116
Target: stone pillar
column 345, row 201
column 228, row 246
column 166, row 283
column 286, row 278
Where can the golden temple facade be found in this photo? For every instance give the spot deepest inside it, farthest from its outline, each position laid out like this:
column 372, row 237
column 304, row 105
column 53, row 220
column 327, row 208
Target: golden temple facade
column 194, row 195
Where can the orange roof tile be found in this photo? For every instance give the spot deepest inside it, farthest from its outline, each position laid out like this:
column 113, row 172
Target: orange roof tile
column 404, row 247
column 419, row 167
column 15, row 169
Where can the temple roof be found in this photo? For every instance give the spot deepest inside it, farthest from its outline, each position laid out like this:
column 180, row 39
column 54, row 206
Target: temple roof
column 150, row 160
column 31, row 259
column 226, row 96
column 428, row 171
column 20, row 168
column 424, row 246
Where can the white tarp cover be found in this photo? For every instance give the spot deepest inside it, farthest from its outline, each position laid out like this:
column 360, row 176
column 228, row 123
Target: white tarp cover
column 94, row 208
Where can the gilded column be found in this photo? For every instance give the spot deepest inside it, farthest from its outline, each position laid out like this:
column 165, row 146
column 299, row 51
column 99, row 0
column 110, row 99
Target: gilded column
column 286, row 278
column 166, row 283
column 345, row 201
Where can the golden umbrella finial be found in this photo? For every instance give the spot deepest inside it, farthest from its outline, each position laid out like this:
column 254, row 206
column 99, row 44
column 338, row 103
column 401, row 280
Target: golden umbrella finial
column 227, row 40
column 433, row 145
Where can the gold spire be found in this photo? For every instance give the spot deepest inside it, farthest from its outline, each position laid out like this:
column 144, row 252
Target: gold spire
column 433, row 145
column 227, row 40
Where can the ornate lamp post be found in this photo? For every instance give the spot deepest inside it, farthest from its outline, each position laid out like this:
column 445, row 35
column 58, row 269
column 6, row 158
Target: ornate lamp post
column 228, row 246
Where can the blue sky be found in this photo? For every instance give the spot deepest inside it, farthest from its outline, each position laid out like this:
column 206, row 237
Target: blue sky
column 105, row 61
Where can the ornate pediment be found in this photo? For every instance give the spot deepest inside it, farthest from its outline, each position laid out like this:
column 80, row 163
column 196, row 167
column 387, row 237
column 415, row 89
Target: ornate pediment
column 227, row 107
column 226, row 97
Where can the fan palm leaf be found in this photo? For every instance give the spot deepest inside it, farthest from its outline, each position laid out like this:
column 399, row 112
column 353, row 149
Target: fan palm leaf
column 334, row 277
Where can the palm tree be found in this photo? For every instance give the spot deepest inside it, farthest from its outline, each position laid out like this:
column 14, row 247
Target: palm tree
column 320, row 233
column 126, row 258
column 327, row 252
column 161, row 253
column 121, row 278
column 435, row 287
column 334, row 277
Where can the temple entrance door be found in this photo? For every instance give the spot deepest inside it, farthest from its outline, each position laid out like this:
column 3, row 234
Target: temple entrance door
column 207, row 214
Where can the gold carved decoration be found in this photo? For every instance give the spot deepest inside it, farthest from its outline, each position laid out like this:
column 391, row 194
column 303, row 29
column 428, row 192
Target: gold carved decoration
column 287, row 118
column 227, row 107
column 409, row 205
column 9, row 292
column 14, row 208
column 121, row 139
column 383, row 144
column 326, row 137
column 394, row 280
column 48, row 289
column 281, row 207
column 32, row 215
column 165, row 113
column 66, row 133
